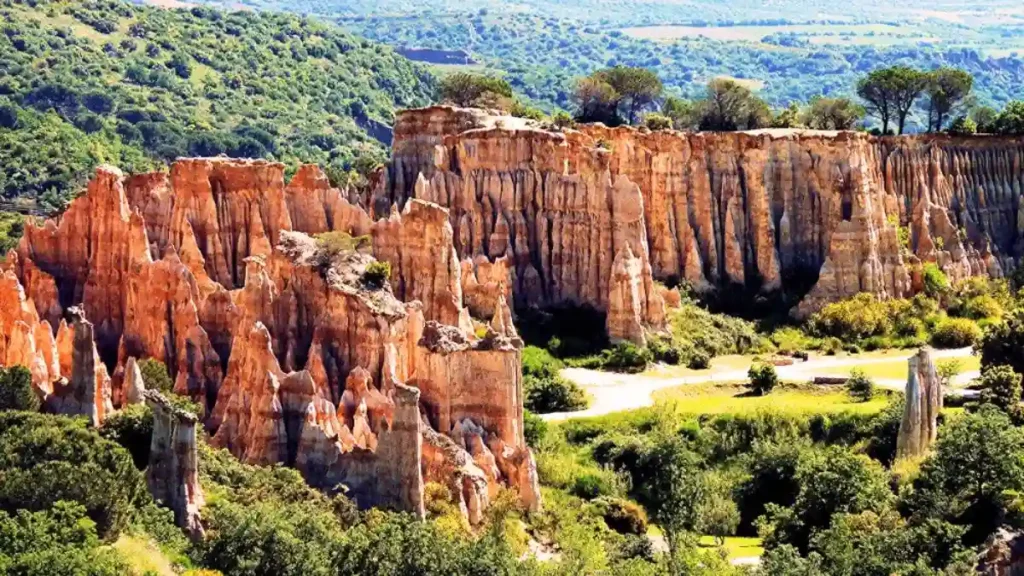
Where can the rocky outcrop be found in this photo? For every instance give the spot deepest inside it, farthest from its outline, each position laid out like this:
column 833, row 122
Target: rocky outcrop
column 923, row 399
column 133, row 385
column 424, row 266
column 772, row 211
column 172, row 474
column 293, row 357
column 87, row 392
column 1002, row 554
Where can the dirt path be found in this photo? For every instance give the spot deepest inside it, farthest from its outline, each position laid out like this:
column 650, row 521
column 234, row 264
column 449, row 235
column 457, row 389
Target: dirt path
column 613, row 392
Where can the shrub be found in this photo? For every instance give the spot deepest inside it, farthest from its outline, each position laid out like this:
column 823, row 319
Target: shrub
column 1003, row 342
column 983, row 307
column 538, row 362
column 534, row 428
column 590, row 485
column 763, row 378
column 377, row 274
column 699, row 360
column 963, row 126
column 1001, row 387
column 853, row 319
column 563, row 120
column 956, row 333
column 16, row 391
column 548, row 394
column 664, row 350
column 155, row 376
column 860, row 386
column 621, row 515
column 132, row 428
column 657, row 122
column 626, row 357
column 58, row 540
column 468, row 89
column 936, row 284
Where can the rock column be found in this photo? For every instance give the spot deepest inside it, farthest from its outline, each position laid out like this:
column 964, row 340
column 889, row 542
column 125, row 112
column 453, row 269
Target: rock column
column 173, row 472
column 923, row 404
column 399, row 455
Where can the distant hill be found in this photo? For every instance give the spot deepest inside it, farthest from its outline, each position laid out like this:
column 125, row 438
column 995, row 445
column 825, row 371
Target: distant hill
column 83, row 83
column 791, row 49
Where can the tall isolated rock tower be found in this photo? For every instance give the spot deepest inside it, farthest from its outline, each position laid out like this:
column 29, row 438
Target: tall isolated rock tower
column 923, row 404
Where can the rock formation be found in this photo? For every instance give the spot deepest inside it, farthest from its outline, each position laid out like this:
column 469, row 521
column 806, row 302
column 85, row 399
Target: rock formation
column 771, row 211
column 1002, row 554
column 293, row 357
column 172, row 474
column 923, row 399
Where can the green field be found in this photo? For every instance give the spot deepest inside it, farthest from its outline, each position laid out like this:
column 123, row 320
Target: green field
column 756, row 33
column 701, row 399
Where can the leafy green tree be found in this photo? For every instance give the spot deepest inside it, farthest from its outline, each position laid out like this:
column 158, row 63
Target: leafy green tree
column 832, row 480
column 155, row 376
column 788, row 118
column 1011, row 119
column 978, row 459
column 860, row 386
column 680, row 111
column 669, row 483
column 657, row 122
column 61, row 539
column 833, row 113
column 46, row 459
column 963, row 126
column 1003, row 343
column 16, row 391
column 132, row 428
column 637, row 89
column 891, row 93
column 947, row 89
column 871, row 543
column 596, row 101
column 985, row 117
column 730, row 106
column 771, row 479
column 1001, row 387
column 717, row 513
column 468, row 89
column 762, row 378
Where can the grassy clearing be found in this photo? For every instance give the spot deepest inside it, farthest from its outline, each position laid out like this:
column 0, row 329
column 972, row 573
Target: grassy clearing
column 736, row 546
column 894, row 369
column 144, row 556
column 756, row 33
column 700, row 399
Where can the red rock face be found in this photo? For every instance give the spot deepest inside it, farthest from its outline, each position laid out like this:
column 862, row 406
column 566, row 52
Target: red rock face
column 292, row 356
column 764, row 210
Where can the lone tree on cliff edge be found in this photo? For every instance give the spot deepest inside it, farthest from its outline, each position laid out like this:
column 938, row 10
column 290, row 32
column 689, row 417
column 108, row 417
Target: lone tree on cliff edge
column 947, row 89
column 616, row 93
column 891, row 92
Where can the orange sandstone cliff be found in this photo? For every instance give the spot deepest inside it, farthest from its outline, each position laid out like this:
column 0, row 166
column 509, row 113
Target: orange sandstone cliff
column 293, row 357
column 592, row 215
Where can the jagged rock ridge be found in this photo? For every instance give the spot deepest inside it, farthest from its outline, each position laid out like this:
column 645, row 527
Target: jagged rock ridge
column 292, row 357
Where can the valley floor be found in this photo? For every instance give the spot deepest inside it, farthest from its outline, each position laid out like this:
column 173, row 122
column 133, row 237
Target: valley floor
column 614, row 392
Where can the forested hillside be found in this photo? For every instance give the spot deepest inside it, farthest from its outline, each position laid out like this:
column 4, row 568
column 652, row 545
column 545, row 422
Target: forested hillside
column 788, row 51
column 83, row 83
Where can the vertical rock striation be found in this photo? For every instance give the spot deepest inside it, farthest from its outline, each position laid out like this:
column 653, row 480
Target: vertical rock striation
column 173, row 471
column 923, row 399
column 773, row 211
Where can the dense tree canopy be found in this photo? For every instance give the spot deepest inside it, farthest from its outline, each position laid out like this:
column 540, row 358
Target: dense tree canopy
column 107, row 81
